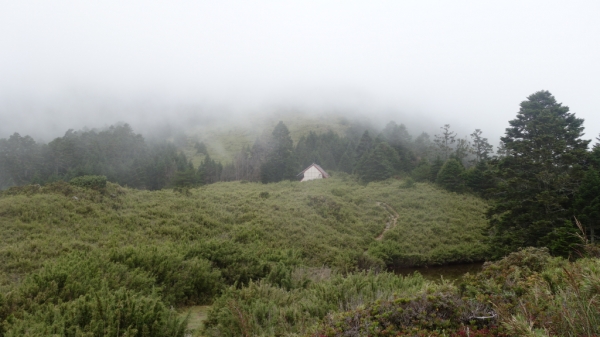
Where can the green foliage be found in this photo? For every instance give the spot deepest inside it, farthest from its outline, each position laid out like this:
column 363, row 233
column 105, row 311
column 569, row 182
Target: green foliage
column 209, row 171
column 450, row 176
column 401, row 141
column 422, row 172
column 563, row 240
column 527, row 293
column 264, row 309
column 445, row 141
column 116, row 153
column 479, row 178
column 391, row 252
column 201, row 148
column 280, row 163
column 183, row 278
column 99, row 313
column 20, row 160
column 435, row 168
column 442, row 313
column 534, row 292
column 587, row 200
column 45, row 222
column 347, row 162
column 325, row 149
column 481, row 148
column 408, row 183
column 432, row 230
column 539, row 175
column 93, row 182
column 378, row 165
column 188, row 248
column 364, row 146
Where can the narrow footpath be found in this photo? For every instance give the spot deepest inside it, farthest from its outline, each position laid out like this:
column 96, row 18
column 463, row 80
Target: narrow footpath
column 393, row 218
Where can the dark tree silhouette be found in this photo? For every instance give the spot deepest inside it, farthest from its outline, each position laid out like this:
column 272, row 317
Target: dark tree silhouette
column 539, row 175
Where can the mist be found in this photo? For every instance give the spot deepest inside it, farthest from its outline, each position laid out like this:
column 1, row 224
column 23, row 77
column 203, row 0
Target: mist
column 71, row 65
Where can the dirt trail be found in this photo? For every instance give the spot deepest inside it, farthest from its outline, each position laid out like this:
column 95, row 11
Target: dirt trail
column 392, row 219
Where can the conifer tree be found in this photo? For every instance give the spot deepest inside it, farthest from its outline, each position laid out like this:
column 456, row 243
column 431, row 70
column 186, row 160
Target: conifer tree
column 280, row 162
column 346, row 163
column 478, row 178
column 395, row 134
column 423, row 146
column 209, row 171
column 481, row 148
column 444, row 141
column 462, row 151
column 435, row 168
column 380, row 164
column 422, row 172
column 587, row 202
column 364, row 146
column 20, row 160
column 450, row 175
column 539, row 175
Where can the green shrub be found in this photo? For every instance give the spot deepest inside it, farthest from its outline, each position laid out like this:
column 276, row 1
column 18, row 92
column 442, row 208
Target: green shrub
column 183, row 280
column 408, row 183
column 263, row 309
column 93, row 182
column 100, row 313
column 237, row 265
column 422, row 172
column 533, row 291
column 421, row 315
column 77, row 274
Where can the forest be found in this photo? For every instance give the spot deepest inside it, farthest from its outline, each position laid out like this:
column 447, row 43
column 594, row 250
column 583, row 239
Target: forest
column 106, row 233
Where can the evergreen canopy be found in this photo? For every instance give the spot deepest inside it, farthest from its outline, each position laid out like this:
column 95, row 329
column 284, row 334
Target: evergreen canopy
column 539, row 175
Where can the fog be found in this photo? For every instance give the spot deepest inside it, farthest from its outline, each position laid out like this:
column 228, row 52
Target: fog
column 75, row 64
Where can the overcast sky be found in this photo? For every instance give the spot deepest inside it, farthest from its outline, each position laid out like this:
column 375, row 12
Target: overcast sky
column 69, row 64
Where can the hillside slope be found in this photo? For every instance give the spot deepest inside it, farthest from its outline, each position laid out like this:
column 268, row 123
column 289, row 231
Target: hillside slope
column 328, row 222
column 225, row 140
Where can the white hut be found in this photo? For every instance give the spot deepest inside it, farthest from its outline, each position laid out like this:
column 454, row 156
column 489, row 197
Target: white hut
column 313, row 172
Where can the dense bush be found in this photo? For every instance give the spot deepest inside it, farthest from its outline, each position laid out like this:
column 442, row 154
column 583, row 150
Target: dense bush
column 434, row 314
column 265, row 309
column 538, row 295
column 183, row 279
column 528, row 293
column 101, row 312
column 93, row 182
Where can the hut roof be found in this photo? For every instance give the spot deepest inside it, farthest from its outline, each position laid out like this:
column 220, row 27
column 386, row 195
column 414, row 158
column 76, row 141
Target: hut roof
column 325, row 174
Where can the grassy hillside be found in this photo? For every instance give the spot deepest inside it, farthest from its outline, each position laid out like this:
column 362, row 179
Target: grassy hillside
column 66, row 251
column 328, row 222
column 224, row 141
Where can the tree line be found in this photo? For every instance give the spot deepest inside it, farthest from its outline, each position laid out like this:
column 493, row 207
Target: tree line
column 127, row 158
column 118, row 153
column 369, row 154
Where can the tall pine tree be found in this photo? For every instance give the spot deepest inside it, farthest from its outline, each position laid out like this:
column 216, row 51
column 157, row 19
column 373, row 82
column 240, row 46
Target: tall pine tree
column 280, row 162
column 539, row 175
column 379, row 164
column 450, row 175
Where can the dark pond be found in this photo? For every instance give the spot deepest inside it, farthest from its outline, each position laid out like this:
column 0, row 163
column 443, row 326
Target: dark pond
column 449, row 272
